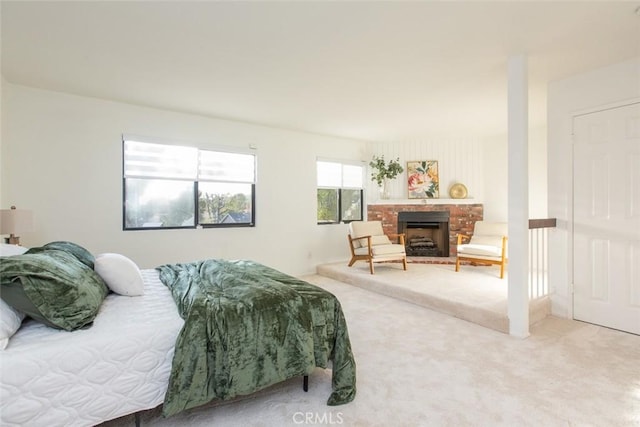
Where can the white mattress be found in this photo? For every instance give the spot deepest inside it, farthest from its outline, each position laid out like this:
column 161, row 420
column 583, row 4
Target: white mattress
column 118, row 366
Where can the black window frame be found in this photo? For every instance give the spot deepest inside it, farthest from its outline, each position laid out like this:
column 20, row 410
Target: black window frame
column 340, row 189
column 252, row 223
column 195, row 183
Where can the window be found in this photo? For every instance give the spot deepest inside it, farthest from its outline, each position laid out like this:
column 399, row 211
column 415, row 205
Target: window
column 339, row 192
column 171, row 186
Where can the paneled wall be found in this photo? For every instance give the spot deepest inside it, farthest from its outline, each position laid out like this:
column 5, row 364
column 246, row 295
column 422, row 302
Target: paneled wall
column 459, row 160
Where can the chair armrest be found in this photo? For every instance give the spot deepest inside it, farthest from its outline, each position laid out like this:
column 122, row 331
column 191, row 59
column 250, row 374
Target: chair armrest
column 364, row 245
column 399, row 236
column 462, row 236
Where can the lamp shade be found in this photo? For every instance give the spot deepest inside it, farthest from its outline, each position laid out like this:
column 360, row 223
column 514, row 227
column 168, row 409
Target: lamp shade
column 15, row 221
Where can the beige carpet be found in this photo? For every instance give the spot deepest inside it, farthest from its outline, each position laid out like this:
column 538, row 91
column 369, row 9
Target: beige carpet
column 475, row 293
column 418, row 367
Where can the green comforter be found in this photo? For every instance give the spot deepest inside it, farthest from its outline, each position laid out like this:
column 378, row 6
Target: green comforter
column 248, row 326
column 54, row 284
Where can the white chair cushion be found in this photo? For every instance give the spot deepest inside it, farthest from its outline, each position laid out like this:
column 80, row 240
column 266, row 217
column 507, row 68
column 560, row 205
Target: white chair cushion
column 361, row 251
column 483, row 228
column 390, row 249
column 382, row 250
column 367, row 228
column 480, row 250
column 379, row 240
column 486, row 241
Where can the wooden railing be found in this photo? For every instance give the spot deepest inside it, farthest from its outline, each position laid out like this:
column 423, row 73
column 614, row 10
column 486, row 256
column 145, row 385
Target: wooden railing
column 538, row 256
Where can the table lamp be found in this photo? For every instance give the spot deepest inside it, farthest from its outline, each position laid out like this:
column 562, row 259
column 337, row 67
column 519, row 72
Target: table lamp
column 14, row 222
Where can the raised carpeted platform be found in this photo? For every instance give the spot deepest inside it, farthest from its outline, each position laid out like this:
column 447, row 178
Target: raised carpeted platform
column 475, row 294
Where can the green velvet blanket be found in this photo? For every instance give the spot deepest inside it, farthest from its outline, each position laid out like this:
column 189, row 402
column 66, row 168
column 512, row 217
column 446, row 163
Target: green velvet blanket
column 248, row 326
column 54, row 284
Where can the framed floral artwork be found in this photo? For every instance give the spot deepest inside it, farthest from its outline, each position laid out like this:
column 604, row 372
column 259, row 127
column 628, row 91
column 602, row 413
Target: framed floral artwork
column 423, row 180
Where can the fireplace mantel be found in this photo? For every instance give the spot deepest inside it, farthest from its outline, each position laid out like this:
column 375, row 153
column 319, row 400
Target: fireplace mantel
column 426, row 202
column 462, row 215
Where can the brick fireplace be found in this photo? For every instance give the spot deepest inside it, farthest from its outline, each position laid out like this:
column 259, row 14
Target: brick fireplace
column 461, row 217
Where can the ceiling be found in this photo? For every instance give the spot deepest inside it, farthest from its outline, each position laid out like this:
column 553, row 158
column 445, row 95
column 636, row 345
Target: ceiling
column 377, row 71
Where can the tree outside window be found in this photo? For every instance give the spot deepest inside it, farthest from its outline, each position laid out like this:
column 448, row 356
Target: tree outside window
column 340, row 192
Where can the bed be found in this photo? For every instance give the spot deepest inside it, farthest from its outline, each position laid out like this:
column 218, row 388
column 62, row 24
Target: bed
column 139, row 352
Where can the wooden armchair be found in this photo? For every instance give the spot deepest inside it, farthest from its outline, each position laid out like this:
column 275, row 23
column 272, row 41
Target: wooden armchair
column 368, row 243
column 488, row 245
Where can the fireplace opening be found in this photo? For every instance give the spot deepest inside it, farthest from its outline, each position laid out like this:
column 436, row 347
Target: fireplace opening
column 426, row 233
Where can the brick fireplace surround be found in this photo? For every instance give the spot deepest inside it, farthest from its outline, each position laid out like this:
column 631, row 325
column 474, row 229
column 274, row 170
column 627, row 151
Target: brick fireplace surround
column 462, row 217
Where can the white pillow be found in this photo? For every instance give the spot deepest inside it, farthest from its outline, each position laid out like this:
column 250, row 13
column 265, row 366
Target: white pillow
column 9, row 250
column 120, row 274
column 10, row 321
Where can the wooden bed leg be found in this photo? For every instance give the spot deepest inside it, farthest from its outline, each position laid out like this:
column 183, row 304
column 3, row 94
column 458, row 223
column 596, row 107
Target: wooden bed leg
column 305, row 383
column 137, row 416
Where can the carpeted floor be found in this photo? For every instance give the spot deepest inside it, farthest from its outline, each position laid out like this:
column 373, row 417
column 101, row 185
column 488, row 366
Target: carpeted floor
column 475, row 293
column 418, row 367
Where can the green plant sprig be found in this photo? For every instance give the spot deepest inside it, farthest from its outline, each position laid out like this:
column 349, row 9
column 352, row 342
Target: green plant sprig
column 381, row 169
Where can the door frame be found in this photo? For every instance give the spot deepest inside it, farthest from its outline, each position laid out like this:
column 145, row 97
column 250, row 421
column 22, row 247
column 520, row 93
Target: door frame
column 570, row 216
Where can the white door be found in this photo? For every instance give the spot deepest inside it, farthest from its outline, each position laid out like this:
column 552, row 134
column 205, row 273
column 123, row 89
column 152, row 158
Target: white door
column 606, row 218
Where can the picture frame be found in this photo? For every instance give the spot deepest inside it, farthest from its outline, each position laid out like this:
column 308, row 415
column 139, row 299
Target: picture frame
column 422, row 179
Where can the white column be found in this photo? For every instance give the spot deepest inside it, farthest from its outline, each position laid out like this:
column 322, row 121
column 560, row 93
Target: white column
column 518, row 306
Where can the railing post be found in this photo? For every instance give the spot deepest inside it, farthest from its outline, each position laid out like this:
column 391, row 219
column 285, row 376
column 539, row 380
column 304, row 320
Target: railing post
column 538, row 256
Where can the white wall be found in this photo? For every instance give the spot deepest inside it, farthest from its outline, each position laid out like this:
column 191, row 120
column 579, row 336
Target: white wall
column 495, row 179
column 62, row 158
column 538, row 207
column 2, row 85
column 608, row 85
